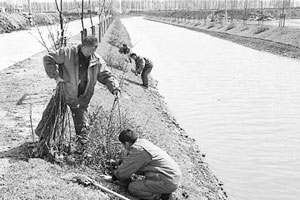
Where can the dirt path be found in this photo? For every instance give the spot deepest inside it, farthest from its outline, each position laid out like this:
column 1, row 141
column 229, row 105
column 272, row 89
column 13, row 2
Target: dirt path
column 26, row 88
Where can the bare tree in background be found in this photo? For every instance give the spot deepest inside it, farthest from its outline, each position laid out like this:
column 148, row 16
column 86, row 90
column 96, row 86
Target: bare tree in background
column 101, row 9
column 92, row 25
column 57, row 37
column 83, row 32
column 62, row 39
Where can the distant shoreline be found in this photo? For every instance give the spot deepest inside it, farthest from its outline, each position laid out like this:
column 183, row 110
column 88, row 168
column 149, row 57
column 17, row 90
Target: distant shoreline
column 282, row 41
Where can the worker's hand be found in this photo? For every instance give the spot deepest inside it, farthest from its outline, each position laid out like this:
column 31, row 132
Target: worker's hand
column 58, row 79
column 117, row 93
column 106, row 177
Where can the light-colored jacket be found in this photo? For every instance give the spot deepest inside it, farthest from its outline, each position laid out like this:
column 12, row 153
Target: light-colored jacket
column 65, row 63
column 145, row 157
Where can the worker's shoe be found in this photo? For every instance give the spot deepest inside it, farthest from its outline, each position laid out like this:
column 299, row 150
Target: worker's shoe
column 144, row 86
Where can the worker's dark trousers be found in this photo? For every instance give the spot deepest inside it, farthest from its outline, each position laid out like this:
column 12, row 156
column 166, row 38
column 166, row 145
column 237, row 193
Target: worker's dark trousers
column 145, row 74
column 80, row 118
column 152, row 187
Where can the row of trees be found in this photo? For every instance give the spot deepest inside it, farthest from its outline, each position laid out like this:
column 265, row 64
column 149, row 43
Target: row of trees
column 148, row 5
column 50, row 6
column 76, row 9
column 104, row 14
column 193, row 5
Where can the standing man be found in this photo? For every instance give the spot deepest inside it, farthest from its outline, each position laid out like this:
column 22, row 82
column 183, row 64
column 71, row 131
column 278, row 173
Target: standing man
column 144, row 66
column 162, row 173
column 78, row 68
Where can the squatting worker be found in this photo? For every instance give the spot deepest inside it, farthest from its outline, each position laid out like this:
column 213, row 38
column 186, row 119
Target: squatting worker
column 162, row 173
column 142, row 65
column 79, row 68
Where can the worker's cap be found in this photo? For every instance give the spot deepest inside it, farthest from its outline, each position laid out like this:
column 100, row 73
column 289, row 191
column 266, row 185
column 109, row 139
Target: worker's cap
column 132, row 54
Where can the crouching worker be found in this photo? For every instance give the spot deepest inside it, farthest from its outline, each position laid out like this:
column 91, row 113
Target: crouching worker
column 143, row 66
column 161, row 172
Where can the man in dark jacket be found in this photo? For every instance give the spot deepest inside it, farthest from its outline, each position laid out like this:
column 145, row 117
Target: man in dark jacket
column 162, row 174
column 79, row 68
column 144, row 66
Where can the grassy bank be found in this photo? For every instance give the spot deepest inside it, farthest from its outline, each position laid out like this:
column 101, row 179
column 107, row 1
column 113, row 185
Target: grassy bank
column 22, row 177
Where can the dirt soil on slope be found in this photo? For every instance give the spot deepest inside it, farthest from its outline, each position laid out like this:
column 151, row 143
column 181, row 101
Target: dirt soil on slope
column 17, row 21
column 26, row 89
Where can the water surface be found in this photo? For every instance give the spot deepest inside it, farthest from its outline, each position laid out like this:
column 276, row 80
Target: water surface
column 241, row 105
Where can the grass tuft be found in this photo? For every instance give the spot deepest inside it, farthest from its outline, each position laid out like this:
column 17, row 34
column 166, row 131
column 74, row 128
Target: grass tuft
column 230, row 26
column 244, row 29
column 211, row 25
column 260, row 29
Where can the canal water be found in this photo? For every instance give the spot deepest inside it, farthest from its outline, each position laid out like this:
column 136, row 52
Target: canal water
column 241, row 105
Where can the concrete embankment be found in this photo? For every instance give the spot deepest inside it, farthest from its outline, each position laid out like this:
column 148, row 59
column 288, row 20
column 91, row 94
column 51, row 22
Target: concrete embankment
column 281, row 41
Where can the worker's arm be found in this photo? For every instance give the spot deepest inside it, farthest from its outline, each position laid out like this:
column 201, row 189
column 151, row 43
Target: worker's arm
column 52, row 61
column 137, row 159
column 107, row 78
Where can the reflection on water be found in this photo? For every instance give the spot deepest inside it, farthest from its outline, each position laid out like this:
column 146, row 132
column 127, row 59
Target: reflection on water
column 242, row 106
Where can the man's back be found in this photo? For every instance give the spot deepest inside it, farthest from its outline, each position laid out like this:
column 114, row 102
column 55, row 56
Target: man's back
column 160, row 162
